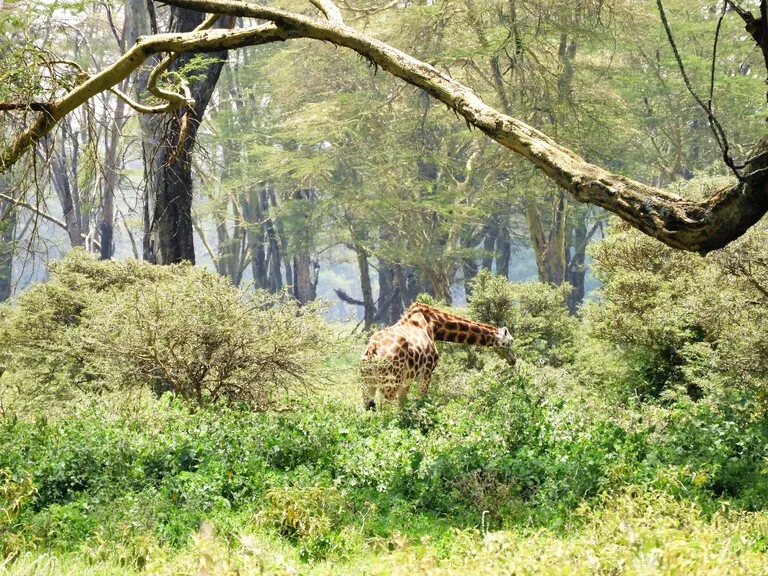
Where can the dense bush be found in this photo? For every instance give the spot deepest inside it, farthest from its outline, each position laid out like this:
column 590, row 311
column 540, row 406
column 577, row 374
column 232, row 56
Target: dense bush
column 677, row 319
column 115, row 325
column 535, row 314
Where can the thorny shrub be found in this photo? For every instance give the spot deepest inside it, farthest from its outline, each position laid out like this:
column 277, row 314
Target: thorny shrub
column 118, row 325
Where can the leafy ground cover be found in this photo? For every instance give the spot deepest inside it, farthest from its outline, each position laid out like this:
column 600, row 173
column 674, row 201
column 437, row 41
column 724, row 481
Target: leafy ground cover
column 513, row 480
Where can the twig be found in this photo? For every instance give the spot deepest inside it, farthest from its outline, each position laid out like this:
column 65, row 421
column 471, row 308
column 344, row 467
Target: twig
column 34, row 209
column 714, row 124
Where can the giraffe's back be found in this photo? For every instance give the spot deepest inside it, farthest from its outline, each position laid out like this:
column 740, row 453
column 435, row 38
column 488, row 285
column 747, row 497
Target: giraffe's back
column 394, row 358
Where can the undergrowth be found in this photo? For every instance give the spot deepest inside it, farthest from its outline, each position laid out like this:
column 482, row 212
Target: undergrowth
column 450, row 483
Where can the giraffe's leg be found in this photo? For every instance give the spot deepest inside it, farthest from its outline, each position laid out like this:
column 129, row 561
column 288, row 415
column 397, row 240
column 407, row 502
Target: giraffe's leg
column 426, row 376
column 402, row 393
column 424, row 384
column 369, row 396
column 368, row 383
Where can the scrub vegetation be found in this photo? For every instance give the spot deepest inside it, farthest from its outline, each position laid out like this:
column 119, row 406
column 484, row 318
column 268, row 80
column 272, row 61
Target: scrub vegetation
column 630, row 440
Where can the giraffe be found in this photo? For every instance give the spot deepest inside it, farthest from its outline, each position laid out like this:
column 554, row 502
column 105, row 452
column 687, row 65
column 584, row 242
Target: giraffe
column 405, row 351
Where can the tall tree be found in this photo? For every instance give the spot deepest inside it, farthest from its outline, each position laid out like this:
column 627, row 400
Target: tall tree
column 168, row 144
column 7, row 237
column 697, row 225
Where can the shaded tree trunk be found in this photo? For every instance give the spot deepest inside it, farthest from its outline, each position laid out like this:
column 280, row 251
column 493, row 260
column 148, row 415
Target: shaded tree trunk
column 504, row 251
column 369, row 309
column 168, row 145
column 275, row 277
column 64, row 179
column 470, row 269
column 281, row 236
column 489, row 242
column 549, row 248
column 112, row 141
column 305, row 268
column 7, row 237
column 257, row 237
column 391, row 291
column 576, row 270
column 232, row 250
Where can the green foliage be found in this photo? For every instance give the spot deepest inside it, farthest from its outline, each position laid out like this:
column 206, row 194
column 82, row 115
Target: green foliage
column 314, row 516
column 328, row 483
column 534, row 313
column 118, row 325
column 679, row 320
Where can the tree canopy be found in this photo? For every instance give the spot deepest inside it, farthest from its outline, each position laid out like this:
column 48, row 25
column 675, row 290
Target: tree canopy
column 702, row 225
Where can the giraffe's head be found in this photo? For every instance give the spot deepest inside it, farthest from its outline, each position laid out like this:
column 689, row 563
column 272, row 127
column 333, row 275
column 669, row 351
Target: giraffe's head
column 504, row 345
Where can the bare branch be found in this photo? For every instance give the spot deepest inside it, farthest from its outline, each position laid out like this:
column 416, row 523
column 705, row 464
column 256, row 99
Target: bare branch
column 329, row 10
column 714, row 123
column 206, row 244
column 118, row 38
column 35, row 209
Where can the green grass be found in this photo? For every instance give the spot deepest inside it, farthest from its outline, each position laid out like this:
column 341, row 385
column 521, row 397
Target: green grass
column 496, row 473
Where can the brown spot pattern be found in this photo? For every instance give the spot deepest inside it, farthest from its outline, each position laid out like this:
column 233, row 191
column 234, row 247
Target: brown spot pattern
column 405, row 352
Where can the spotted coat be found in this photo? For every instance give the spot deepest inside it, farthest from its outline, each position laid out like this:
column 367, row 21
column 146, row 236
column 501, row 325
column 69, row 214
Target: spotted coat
column 405, row 352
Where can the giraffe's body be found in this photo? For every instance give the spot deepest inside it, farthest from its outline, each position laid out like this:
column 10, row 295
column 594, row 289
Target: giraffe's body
column 404, row 352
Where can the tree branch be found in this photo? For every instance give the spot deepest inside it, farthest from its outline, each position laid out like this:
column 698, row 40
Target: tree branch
column 714, row 123
column 329, row 10
column 201, row 41
column 35, row 209
column 700, row 226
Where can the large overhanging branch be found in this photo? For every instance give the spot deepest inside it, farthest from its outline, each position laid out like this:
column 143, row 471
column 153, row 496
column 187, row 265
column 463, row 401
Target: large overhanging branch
column 198, row 41
column 680, row 223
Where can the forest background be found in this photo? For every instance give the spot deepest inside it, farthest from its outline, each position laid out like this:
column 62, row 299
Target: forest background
column 304, row 172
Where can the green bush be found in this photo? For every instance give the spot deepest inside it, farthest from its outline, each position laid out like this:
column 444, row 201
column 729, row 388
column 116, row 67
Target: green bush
column 313, row 516
column 103, row 326
column 676, row 319
column 325, row 477
column 535, row 314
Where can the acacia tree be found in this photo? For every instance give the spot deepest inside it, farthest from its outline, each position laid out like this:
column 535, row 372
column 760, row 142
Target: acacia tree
column 7, row 236
column 168, row 145
column 694, row 225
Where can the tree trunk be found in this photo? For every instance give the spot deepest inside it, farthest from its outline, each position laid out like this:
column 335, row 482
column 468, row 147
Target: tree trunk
column 391, row 294
column 470, row 269
column 280, row 229
column 231, row 251
column 168, row 145
column 575, row 269
column 408, row 290
column 305, row 268
column 254, row 217
column 7, row 237
column 275, row 277
column 549, row 248
column 305, row 277
column 112, row 141
column 64, row 180
column 489, row 241
column 369, row 308
column 504, row 250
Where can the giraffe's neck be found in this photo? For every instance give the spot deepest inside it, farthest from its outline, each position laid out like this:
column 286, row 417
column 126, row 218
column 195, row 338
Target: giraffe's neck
column 451, row 328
